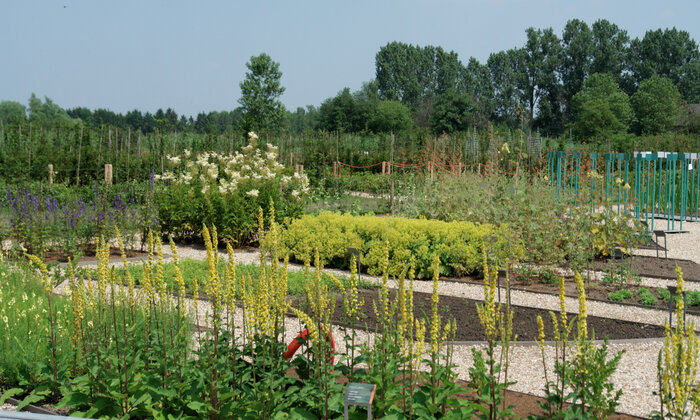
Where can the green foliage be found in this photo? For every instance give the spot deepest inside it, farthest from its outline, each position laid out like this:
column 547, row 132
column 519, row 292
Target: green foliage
column 227, row 190
column 646, row 297
column 12, row 112
column 693, row 298
column 390, row 116
column 601, row 109
column 48, row 113
column 260, row 92
column 664, row 294
column 656, row 104
column 453, row 112
column 459, row 244
column 525, row 207
column 620, row 295
column 611, row 231
column 24, row 327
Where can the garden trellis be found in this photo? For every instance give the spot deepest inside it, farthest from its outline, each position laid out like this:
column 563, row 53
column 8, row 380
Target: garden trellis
column 659, row 185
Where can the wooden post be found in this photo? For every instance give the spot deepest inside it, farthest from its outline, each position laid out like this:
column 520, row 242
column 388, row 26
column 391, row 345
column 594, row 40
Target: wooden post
column 459, row 169
column 301, row 168
column 108, row 173
column 50, row 174
column 383, row 168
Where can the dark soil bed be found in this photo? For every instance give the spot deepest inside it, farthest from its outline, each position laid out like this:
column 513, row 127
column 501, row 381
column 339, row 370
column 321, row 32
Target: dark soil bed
column 525, row 405
column 652, row 267
column 600, row 291
column 89, row 255
column 524, row 319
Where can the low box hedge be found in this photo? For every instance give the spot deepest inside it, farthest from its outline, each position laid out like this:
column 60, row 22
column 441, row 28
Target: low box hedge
column 458, row 244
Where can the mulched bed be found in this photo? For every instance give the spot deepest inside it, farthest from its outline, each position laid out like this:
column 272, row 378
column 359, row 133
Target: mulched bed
column 652, row 267
column 524, row 319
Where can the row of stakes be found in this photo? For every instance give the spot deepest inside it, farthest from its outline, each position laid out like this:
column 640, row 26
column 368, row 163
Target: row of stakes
column 662, row 182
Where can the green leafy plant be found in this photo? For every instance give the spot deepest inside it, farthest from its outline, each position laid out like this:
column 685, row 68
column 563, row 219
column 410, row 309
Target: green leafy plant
column 620, row 295
column 646, row 297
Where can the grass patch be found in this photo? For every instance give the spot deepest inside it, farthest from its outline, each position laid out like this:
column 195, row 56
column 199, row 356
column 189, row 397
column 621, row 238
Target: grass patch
column 197, row 269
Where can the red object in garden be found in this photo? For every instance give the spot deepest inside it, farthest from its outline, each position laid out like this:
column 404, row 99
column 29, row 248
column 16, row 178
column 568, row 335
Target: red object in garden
column 296, row 343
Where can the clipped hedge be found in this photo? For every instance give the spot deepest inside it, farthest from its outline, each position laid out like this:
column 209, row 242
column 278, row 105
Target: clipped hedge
column 458, row 244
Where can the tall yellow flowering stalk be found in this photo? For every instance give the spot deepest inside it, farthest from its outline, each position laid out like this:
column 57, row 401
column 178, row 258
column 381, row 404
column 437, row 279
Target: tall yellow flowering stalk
column 678, row 364
column 130, row 282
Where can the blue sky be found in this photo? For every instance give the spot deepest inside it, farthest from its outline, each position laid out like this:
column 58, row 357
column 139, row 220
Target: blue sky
column 191, row 55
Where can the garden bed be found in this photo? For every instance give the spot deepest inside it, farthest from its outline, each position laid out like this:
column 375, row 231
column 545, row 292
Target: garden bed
column 654, row 267
column 88, row 255
column 595, row 291
column 524, row 319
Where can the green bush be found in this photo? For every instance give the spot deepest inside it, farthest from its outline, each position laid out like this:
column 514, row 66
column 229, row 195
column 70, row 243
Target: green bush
column 620, row 295
column 646, row 297
column 458, row 244
column 226, row 191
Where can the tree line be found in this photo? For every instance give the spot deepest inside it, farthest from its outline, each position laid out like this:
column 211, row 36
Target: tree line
column 592, row 82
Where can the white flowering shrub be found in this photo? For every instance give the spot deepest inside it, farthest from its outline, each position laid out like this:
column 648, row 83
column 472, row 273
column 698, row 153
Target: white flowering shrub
column 226, row 190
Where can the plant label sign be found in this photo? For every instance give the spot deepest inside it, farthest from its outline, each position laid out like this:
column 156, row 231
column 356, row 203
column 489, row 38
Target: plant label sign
column 359, row 394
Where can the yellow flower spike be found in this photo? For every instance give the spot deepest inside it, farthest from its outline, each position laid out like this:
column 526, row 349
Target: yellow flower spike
column 434, row 316
column 215, row 243
column 44, row 272
column 282, row 287
column 150, row 247
column 308, row 322
column 337, row 283
column 678, row 363
column 540, row 332
column 582, row 323
column 562, row 303
column 420, row 342
column 160, row 268
column 77, row 303
column 555, row 326
column 403, row 315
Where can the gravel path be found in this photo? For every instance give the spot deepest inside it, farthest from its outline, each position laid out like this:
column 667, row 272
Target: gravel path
column 8, row 407
column 680, row 245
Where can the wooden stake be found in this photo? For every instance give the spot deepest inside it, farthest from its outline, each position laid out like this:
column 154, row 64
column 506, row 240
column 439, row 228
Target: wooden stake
column 108, row 173
column 50, row 174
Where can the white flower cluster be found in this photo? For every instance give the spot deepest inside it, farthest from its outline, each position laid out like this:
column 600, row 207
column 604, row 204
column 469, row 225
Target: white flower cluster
column 247, row 171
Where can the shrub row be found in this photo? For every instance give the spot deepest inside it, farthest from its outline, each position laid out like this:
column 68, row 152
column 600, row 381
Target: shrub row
column 458, row 244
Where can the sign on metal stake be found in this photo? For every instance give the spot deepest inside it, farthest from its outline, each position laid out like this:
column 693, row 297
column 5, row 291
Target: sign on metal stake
column 359, row 394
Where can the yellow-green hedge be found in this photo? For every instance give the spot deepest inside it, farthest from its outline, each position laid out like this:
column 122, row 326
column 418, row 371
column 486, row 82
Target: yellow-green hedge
column 459, row 244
